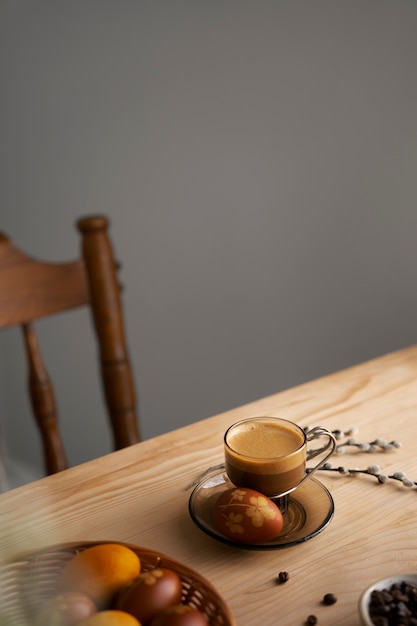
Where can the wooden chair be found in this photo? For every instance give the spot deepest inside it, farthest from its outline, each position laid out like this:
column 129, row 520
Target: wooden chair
column 32, row 289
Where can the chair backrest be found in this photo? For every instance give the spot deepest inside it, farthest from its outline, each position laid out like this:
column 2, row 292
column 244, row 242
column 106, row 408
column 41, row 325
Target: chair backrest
column 31, row 289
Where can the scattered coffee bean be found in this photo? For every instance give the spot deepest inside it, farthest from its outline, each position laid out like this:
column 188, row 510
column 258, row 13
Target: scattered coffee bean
column 329, row 598
column 283, row 577
column 311, row 620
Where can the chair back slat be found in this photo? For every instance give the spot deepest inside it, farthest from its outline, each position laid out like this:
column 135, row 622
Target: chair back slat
column 32, row 289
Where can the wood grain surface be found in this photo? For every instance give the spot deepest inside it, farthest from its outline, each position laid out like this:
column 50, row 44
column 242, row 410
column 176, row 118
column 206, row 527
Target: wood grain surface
column 140, row 495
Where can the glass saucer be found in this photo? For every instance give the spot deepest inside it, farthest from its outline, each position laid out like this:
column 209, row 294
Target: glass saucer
column 310, row 510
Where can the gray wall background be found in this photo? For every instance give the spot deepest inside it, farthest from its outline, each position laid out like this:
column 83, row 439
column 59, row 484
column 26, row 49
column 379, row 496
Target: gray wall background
column 258, row 162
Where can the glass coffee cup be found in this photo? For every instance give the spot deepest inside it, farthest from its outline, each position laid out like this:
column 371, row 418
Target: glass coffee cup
column 269, row 454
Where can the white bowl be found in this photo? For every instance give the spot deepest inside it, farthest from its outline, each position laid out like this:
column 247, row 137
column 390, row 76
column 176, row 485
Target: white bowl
column 385, row 583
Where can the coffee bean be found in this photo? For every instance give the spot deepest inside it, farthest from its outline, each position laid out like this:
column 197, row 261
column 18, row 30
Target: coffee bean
column 283, row 577
column 311, row 620
column 394, row 605
column 329, row 598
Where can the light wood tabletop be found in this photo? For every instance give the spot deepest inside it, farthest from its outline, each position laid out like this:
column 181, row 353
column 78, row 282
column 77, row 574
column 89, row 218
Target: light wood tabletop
column 140, row 495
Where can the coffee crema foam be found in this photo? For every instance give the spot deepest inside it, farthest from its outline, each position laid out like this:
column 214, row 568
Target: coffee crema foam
column 265, row 441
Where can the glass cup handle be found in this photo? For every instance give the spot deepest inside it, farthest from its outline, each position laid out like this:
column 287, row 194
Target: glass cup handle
column 330, row 447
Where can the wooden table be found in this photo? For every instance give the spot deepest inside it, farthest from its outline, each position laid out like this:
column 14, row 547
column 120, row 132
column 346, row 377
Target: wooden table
column 140, row 495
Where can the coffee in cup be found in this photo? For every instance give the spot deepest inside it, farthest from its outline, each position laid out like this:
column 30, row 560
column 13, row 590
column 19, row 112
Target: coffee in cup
column 269, row 454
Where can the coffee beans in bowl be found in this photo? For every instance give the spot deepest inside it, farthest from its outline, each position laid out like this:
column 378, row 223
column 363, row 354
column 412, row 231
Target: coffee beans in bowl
column 390, row 602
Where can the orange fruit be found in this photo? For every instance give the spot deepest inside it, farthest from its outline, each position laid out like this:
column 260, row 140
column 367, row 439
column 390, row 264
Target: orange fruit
column 110, row 618
column 100, row 571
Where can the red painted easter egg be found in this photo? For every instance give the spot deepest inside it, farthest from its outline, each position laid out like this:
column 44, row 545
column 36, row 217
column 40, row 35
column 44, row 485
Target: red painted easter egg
column 247, row 516
column 151, row 593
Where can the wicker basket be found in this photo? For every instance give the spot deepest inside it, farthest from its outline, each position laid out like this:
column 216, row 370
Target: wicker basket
column 25, row 583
